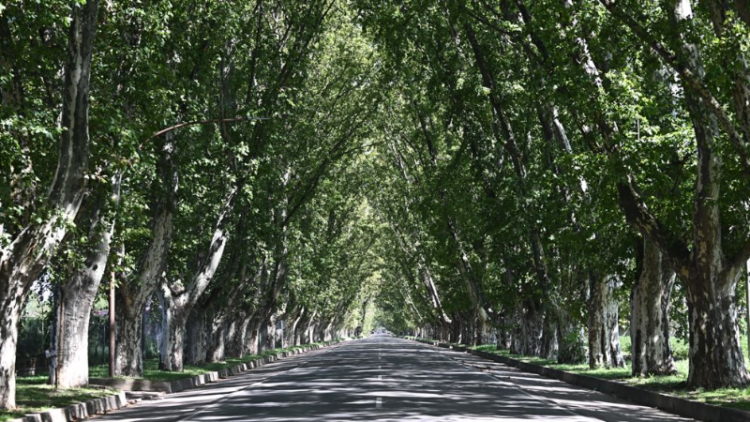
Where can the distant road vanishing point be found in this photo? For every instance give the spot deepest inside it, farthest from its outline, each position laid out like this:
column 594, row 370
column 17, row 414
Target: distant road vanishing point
column 388, row 379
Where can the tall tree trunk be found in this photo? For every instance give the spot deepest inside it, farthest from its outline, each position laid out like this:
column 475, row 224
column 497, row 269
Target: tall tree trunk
column 23, row 260
column 78, row 294
column 710, row 276
column 174, row 318
column 178, row 300
column 715, row 353
column 649, row 315
column 572, row 340
column 129, row 353
column 252, row 345
column 290, row 329
column 604, row 336
column 528, row 339
column 217, row 338
column 236, row 343
column 550, row 345
column 297, row 339
column 716, row 359
column 136, row 291
column 241, row 342
column 517, row 334
column 196, row 351
column 270, row 333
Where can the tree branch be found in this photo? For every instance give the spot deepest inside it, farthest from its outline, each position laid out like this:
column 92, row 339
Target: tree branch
column 203, row 122
column 638, row 215
column 692, row 81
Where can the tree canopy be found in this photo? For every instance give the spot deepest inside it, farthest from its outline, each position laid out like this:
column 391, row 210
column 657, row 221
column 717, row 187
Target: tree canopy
column 537, row 175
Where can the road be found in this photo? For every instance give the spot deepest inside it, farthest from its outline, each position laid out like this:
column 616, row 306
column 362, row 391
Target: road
column 387, row 379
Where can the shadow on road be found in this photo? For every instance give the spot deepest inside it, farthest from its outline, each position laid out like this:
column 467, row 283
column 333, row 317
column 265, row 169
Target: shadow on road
column 385, row 379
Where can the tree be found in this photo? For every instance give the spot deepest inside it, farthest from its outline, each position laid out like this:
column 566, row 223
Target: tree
column 24, row 258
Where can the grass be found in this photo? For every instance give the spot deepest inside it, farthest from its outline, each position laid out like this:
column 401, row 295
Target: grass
column 675, row 385
column 151, row 371
column 34, row 395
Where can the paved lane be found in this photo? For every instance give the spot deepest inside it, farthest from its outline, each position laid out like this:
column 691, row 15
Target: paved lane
column 386, row 379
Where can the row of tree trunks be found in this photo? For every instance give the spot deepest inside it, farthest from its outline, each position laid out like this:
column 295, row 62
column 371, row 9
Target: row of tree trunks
column 178, row 300
column 136, row 290
column 709, row 274
column 560, row 334
column 244, row 334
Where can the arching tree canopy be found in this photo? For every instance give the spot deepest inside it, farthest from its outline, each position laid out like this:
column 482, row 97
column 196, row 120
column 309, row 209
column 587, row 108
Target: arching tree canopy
column 540, row 175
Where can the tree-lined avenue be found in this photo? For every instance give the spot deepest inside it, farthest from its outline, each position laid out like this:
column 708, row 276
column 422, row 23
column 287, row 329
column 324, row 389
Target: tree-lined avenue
column 382, row 379
column 563, row 180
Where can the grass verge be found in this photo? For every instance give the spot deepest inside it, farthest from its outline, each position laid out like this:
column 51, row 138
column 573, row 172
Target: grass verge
column 34, row 395
column 151, row 371
column 675, row 385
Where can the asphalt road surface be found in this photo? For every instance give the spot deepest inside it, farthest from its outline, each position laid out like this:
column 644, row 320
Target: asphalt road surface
column 387, row 379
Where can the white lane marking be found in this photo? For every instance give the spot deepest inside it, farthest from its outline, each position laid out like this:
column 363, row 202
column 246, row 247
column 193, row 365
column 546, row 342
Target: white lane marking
column 380, row 377
column 553, row 403
column 380, row 367
column 213, row 405
column 378, row 402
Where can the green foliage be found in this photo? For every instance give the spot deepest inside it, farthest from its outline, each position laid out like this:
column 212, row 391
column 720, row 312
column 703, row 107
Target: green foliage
column 412, row 164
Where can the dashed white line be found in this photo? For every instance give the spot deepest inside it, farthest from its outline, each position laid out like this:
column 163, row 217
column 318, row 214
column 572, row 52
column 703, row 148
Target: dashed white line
column 378, row 402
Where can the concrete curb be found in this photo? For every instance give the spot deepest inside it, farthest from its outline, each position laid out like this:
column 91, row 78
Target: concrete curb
column 78, row 411
column 84, row 410
column 676, row 405
column 169, row 387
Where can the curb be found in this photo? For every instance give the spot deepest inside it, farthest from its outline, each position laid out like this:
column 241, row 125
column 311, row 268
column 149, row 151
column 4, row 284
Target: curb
column 78, row 411
column 675, row 405
column 169, row 387
column 89, row 408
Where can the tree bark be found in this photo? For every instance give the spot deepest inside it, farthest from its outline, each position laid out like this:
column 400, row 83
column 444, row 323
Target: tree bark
column 716, row 359
column 78, row 295
column 217, row 338
column 649, row 326
column 174, row 318
column 129, row 354
column 604, row 337
column 549, row 348
column 241, row 347
column 136, row 292
column 571, row 339
column 178, row 300
column 197, row 337
column 253, row 331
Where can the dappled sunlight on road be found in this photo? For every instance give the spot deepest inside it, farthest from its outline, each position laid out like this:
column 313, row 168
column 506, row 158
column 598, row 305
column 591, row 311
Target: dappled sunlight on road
column 386, row 379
